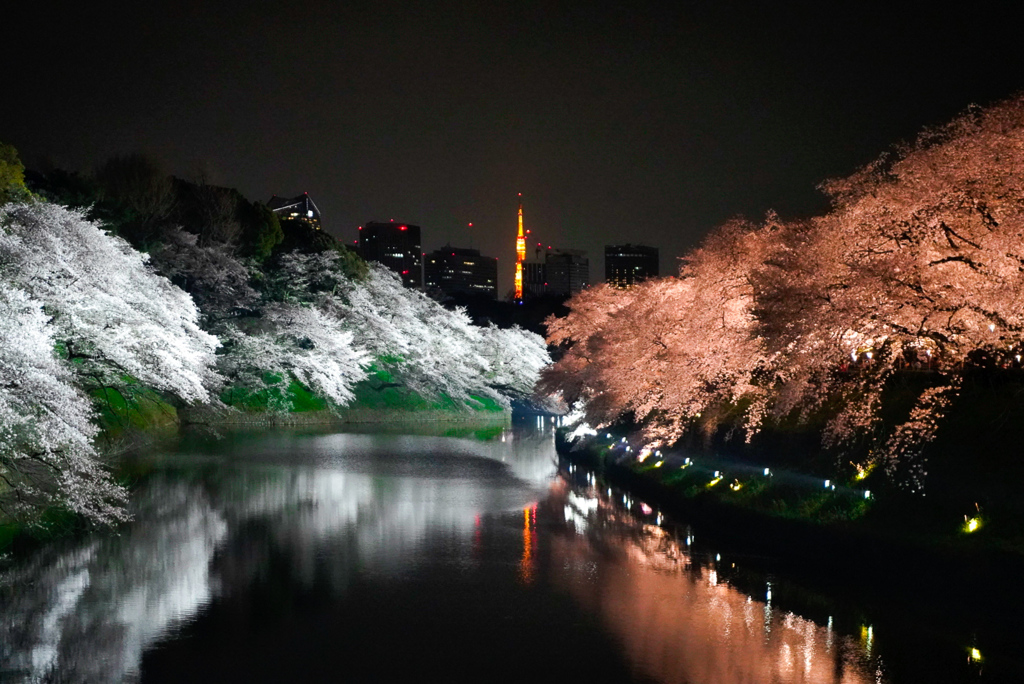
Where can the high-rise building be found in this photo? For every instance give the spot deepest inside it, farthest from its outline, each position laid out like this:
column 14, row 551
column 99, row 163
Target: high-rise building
column 461, row 271
column 535, row 279
column 299, row 208
column 626, row 265
column 397, row 246
column 567, row 271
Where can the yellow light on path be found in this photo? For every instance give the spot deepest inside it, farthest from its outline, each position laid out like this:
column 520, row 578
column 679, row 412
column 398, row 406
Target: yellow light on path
column 862, row 470
column 972, row 525
column 975, row 655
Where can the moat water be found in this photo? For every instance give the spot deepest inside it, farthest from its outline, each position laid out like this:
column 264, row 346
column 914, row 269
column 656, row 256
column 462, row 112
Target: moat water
column 300, row 556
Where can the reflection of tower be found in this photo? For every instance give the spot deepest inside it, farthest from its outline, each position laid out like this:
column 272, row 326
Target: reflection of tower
column 527, row 564
column 520, row 253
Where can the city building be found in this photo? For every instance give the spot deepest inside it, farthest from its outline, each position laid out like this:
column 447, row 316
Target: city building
column 562, row 272
column 397, row 246
column 567, row 271
column 299, row 208
column 455, row 270
column 535, row 279
column 626, row 265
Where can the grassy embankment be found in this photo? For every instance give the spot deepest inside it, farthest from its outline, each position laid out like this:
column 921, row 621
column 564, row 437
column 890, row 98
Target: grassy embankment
column 973, row 471
column 379, row 392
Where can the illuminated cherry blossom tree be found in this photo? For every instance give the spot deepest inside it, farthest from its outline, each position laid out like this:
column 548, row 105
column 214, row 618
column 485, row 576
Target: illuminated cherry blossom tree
column 216, row 279
column 435, row 352
column 296, row 342
column 317, row 315
column 110, row 313
column 514, row 359
column 46, row 452
column 918, row 265
column 668, row 350
column 81, row 311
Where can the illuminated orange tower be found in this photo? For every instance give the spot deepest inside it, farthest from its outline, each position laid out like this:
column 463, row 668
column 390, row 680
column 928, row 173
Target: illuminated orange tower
column 520, row 252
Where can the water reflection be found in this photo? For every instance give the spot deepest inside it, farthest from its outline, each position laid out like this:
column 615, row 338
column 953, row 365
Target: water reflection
column 477, row 542
column 87, row 610
column 677, row 618
column 218, row 511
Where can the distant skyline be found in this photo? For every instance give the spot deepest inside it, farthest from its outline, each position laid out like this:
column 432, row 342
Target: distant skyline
column 618, row 123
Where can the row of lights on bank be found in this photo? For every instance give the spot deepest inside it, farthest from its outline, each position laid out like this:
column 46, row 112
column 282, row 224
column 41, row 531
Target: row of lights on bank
column 971, row 524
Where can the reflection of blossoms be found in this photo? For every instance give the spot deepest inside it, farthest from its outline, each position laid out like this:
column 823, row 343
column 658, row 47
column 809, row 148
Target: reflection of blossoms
column 679, row 620
column 88, row 610
column 312, row 510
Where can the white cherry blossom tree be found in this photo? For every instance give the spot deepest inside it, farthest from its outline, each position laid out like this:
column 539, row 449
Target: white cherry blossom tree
column 111, row 315
column 46, row 433
column 296, row 342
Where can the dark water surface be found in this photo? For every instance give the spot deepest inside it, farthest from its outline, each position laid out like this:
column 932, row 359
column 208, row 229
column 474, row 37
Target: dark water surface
column 306, row 557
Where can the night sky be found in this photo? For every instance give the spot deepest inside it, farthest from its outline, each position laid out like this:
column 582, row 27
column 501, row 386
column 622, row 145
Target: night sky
column 619, row 122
